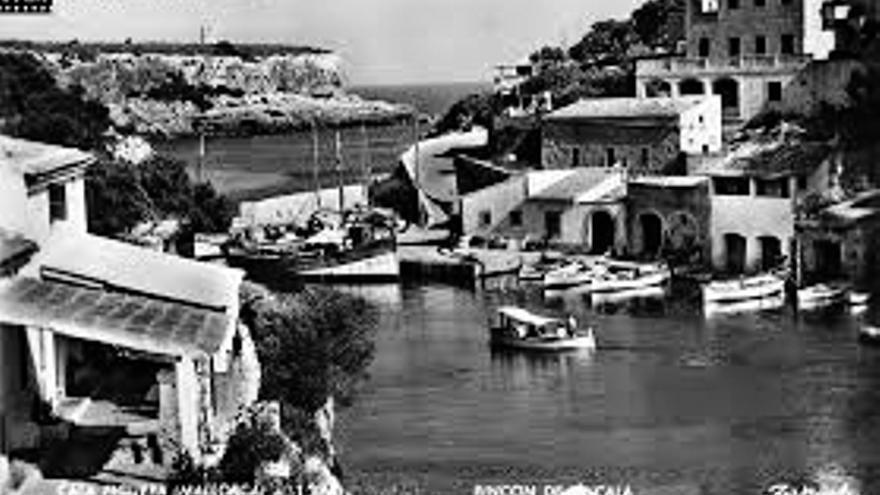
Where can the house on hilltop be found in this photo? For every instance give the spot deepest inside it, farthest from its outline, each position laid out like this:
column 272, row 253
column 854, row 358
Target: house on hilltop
column 97, row 334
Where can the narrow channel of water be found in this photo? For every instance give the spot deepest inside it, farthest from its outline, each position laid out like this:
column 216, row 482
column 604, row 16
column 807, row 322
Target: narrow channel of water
column 672, row 400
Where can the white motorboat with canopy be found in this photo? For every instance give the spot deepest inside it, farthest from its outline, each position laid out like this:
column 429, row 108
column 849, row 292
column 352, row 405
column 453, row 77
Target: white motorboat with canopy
column 521, row 329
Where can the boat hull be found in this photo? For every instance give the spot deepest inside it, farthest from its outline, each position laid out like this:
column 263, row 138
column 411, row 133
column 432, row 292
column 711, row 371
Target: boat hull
column 587, row 342
column 727, row 292
column 869, row 335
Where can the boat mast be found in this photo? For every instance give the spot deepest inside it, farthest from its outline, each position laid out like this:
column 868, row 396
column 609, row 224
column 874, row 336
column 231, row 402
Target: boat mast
column 366, row 162
column 201, row 160
column 338, row 146
column 420, row 218
column 315, row 177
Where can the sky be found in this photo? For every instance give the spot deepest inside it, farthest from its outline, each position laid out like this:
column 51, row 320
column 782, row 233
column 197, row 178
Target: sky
column 381, row 41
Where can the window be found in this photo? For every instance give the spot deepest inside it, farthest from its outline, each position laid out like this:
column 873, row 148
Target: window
column 774, row 188
column 705, row 149
column 703, row 47
column 733, row 47
column 709, row 6
column 516, row 218
column 57, row 202
column 552, row 223
column 786, row 2
column 802, row 182
column 731, row 186
column 646, row 157
column 485, row 218
column 760, row 3
column 575, row 157
column 732, row 4
column 609, row 157
column 787, row 44
column 760, row 45
column 774, row 91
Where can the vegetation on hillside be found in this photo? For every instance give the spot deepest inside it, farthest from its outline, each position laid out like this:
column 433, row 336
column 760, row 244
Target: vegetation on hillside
column 599, row 64
column 32, row 106
column 88, row 50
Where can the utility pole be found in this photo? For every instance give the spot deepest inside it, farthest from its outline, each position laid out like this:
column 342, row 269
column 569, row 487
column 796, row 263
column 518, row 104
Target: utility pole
column 201, row 160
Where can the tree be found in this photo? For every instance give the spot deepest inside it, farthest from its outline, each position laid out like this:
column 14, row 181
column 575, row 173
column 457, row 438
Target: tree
column 120, row 195
column 312, row 345
column 32, row 106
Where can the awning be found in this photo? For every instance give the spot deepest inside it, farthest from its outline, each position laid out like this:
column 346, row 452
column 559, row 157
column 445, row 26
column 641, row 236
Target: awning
column 134, row 322
column 525, row 316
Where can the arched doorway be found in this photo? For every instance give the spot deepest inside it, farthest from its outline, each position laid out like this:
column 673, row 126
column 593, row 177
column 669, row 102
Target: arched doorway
column 771, row 252
column 657, row 88
column 735, row 253
column 691, row 87
column 729, row 90
column 652, row 233
column 601, row 232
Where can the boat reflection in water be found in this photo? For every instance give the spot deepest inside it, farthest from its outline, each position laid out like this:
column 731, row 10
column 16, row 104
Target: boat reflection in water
column 526, row 368
column 712, row 309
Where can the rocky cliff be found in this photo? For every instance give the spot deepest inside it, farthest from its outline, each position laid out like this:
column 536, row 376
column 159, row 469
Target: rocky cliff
column 170, row 94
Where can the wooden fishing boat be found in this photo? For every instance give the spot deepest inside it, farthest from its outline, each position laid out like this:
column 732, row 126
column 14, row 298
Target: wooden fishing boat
column 520, row 329
column 869, row 334
column 858, row 298
column 821, row 296
column 624, row 276
column 743, row 289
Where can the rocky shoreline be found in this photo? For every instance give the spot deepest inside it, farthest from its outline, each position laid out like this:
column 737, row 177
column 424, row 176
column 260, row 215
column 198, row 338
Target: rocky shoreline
column 173, row 95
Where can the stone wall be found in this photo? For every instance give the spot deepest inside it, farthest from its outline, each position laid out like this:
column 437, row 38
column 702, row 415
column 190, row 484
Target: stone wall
column 493, row 203
column 629, row 145
column 684, row 213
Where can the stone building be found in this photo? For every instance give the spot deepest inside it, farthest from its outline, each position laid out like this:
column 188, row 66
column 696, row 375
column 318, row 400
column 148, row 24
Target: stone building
column 640, row 135
column 842, row 242
column 670, row 215
column 97, row 333
column 747, row 51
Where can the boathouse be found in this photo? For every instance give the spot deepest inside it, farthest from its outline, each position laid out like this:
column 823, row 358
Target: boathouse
column 97, row 335
column 842, row 242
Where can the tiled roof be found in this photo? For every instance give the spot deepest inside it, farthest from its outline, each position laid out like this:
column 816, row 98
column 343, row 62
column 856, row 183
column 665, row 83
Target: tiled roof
column 33, row 158
column 626, row 107
column 134, row 322
column 125, row 267
column 866, row 205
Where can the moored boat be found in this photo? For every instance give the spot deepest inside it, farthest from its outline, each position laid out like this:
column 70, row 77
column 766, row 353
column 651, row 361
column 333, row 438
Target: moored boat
column 821, row 295
column 570, row 275
column 520, row 329
column 743, row 289
column 858, row 298
column 618, row 276
column 869, row 334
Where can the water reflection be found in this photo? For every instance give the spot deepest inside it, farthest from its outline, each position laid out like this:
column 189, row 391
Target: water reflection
column 763, row 304
column 733, row 401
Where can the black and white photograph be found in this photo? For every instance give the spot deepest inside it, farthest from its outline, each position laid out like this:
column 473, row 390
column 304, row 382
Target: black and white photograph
column 439, row 247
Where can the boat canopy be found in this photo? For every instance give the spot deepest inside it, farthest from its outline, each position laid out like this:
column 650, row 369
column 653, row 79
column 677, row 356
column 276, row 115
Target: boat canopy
column 524, row 316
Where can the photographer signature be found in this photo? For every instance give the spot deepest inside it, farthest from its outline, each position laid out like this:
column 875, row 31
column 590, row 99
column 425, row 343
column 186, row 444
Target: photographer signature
column 788, row 489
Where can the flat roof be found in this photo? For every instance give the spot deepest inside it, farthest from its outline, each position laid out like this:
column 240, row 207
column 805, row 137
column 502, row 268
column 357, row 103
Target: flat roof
column 135, row 322
column 123, row 266
column 33, row 158
column 627, row 107
column 670, row 180
column 525, row 316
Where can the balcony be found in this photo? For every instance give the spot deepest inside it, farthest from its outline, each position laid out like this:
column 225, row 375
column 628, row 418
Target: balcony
column 682, row 66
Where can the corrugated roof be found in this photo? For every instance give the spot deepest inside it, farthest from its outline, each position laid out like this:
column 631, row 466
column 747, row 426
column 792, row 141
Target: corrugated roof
column 131, row 268
column 135, row 322
column 571, row 186
column 629, row 107
column 33, row 158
